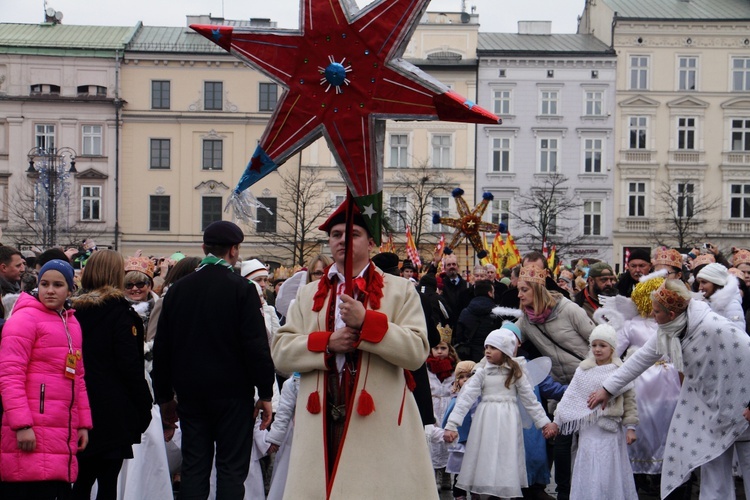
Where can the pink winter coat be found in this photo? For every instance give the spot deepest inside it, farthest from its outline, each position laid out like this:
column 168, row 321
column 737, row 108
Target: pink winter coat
column 36, row 392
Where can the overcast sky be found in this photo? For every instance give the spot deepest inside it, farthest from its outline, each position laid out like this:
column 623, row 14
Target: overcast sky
column 494, row 15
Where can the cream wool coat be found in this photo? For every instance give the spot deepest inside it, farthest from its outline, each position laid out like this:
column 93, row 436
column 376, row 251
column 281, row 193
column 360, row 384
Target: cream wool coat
column 380, row 458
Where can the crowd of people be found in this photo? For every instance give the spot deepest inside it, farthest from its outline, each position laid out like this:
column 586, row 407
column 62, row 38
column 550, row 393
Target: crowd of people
column 367, row 377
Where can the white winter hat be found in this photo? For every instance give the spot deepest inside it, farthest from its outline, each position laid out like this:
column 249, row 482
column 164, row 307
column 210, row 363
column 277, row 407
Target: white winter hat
column 253, row 268
column 605, row 333
column 504, row 340
column 715, row 273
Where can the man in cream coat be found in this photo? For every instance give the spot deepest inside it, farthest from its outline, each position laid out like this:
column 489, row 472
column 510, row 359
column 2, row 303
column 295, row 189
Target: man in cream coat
column 358, row 433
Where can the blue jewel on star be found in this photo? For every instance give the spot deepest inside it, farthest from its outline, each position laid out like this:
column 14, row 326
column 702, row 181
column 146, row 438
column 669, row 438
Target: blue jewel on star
column 216, row 35
column 469, row 104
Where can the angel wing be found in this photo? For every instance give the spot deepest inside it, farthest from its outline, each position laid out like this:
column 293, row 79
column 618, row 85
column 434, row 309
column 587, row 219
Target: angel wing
column 288, row 291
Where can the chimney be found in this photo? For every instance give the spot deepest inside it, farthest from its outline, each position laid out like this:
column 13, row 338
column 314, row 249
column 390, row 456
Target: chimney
column 534, row 27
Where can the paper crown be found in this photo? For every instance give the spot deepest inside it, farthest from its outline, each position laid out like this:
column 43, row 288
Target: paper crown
column 742, row 256
column 282, row 273
column 140, row 264
column 669, row 300
column 531, row 274
column 667, row 257
column 446, row 333
column 702, row 260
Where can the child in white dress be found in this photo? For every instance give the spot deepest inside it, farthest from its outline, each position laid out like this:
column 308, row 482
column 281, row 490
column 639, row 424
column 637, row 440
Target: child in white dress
column 494, row 462
column 602, row 467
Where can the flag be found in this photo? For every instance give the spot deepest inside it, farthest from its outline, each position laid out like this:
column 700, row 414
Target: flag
column 627, row 256
column 388, row 245
column 551, row 258
column 487, row 259
column 545, row 248
column 411, row 249
column 498, row 252
column 511, row 250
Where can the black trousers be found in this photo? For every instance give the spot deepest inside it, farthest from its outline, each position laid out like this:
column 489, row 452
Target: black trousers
column 103, row 471
column 35, row 490
column 563, row 445
column 223, row 426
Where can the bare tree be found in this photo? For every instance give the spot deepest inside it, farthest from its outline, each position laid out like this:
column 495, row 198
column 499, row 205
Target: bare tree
column 31, row 225
column 681, row 215
column 417, row 188
column 301, row 204
column 547, row 212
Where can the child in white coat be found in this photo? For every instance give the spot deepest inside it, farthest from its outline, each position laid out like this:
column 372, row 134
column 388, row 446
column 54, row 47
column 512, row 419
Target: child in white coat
column 494, row 462
column 602, row 467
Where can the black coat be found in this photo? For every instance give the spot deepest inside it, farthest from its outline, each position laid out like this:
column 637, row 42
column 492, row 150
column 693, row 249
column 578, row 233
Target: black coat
column 211, row 340
column 452, row 293
column 115, row 379
column 475, row 323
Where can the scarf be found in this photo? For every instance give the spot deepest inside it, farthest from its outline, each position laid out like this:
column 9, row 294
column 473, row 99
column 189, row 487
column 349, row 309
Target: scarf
column 441, row 367
column 573, row 411
column 212, row 260
column 668, row 341
column 538, row 319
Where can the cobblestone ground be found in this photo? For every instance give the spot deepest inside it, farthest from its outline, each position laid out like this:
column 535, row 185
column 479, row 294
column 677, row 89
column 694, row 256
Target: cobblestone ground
column 447, row 495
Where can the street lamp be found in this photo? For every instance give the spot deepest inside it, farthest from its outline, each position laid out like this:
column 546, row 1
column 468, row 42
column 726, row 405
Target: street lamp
column 53, row 167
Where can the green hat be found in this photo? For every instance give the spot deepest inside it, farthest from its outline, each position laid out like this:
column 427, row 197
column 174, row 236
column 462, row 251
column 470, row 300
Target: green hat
column 600, row 269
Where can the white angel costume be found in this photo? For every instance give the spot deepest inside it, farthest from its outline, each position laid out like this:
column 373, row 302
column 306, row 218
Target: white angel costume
column 494, row 462
column 656, row 390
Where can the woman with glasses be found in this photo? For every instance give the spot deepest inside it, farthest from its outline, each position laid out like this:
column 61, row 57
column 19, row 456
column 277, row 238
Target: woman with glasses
column 669, row 260
column 316, row 267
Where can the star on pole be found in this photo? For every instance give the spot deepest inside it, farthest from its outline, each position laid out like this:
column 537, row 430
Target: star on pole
column 343, row 76
column 469, row 223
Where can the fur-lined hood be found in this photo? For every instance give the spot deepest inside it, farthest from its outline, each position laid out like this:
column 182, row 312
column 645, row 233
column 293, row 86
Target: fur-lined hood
column 96, row 298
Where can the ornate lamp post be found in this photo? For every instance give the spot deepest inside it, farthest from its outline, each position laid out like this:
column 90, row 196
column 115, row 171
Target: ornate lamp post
column 53, row 167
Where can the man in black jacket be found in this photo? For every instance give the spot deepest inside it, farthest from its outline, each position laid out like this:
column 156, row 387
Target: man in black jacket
column 211, row 350
column 477, row 321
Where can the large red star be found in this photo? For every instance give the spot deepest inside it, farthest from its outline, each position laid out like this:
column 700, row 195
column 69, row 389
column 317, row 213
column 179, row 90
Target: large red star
column 343, row 77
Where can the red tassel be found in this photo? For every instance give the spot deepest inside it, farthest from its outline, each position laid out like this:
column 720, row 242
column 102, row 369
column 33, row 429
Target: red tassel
column 366, row 405
column 313, row 403
column 401, row 410
column 410, row 382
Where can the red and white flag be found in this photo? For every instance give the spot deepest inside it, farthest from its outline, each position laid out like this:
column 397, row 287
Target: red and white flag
column 411, row 249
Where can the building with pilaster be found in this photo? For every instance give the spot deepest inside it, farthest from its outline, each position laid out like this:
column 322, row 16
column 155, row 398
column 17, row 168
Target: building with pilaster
column 682, row 120
column 555, row 94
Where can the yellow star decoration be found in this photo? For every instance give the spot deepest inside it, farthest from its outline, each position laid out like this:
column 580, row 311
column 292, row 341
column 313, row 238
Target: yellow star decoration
column 469, row 223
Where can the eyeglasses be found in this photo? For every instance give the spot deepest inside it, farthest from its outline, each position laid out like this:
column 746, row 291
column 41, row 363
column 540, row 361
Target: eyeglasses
column 317, row 273
column 138, row 285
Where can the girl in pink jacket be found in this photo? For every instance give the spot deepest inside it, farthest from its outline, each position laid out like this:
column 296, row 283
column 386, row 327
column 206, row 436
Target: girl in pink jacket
column 46, row 413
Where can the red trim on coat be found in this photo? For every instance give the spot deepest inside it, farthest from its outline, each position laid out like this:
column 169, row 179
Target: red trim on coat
column 318, row 341
column 349, row 408
column 374, row 327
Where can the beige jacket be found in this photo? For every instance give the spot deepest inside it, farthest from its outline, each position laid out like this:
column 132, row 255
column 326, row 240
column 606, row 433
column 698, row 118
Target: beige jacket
column 570, row 327
column 384, row 454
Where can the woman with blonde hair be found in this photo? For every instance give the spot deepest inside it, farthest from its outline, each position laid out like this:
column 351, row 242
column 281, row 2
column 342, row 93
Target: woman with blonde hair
column 559, row 329
column 316, row 266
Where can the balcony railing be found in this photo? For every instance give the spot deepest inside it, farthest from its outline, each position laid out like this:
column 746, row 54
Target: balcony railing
column 686, row 157
column 637, row 156
column 737, row 158
column 635, row 224
column 737, row 226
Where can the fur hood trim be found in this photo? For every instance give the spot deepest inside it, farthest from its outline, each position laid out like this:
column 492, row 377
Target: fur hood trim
column 98, row 297
column 590, row 362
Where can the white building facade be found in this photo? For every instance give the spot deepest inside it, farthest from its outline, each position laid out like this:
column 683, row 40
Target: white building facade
column 556, row 95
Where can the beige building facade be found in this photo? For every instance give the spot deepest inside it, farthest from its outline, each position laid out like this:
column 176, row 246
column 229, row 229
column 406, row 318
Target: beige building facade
column 58, row 104
column 682, row 135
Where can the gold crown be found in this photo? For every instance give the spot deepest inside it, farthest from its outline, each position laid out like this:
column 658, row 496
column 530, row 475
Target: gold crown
column 742, row 256
column 531, row 274
column 671, row 301
column 703, row 259
column 668, row 257
column 281, row 273
column 446, row 333
column 141, row 264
